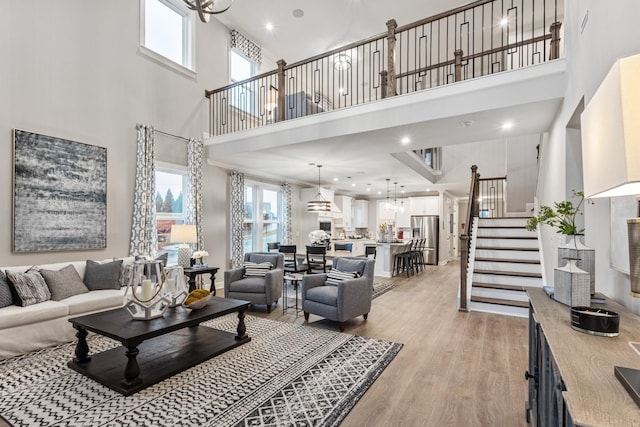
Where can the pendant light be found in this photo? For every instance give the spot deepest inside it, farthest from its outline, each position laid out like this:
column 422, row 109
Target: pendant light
column 318, row 203
column 387, row 205
column 395, row 196
column 401, row 209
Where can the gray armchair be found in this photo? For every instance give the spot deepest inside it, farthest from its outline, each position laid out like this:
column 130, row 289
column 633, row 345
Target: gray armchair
column 346, row 300
column 258, row 290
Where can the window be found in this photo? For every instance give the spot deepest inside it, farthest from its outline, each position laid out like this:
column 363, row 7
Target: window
column 167, row 32
column 262, row 216
column 241, row 68
column 170, row 206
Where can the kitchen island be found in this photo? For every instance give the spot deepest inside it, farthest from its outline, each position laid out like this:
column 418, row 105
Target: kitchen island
column 385, row 254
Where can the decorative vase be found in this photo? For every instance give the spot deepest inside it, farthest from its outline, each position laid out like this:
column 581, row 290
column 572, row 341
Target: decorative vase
column 175, row 287
column 147, row 299
column 585, row 255
column 571, row 285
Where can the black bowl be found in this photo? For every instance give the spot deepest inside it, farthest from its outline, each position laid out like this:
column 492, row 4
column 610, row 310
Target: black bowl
column 595, row 321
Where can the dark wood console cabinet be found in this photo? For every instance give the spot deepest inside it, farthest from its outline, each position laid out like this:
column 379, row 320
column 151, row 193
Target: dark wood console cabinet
column 571, row 376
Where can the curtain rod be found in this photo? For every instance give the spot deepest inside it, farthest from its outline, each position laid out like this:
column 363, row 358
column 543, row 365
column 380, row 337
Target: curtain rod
column 172, row 135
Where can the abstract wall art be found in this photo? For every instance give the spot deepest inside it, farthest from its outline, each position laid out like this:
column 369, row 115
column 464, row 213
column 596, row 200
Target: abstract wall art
column 59, row 194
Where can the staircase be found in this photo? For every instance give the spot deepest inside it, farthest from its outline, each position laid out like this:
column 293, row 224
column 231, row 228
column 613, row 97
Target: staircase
column 507, row 262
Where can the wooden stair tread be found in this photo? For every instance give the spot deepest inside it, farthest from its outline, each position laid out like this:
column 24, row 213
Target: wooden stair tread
column 511, row 303
column 497, row 248
column 509, row 237
column 509, row 273
column 518, row 227
column 511, row 260
column 498, row 286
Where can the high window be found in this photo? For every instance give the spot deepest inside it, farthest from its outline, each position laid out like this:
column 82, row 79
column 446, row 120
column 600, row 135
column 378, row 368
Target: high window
column 241, row 68
column 262, row 216
column 170, row 206
column 167, row 32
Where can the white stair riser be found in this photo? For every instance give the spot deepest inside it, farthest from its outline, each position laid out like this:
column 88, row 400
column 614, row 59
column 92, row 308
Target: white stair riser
column 503, row 222
column 499, row 309
column 507, row 243
column 507, row 266
column 505, row 254
column 503, row 294
column 507, row 280
column 505, row 232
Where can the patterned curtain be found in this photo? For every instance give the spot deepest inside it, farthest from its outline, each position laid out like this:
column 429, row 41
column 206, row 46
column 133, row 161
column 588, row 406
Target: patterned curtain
column 143, row 229
column 195, row 149
column 286, row 217
column 237, row 218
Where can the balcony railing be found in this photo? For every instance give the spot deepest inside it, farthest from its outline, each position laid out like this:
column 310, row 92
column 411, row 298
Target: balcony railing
column 478, row 39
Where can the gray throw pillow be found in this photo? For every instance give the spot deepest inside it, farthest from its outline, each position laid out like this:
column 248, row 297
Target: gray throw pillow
column 64, row 283
column 6, row 298
column 30, row 287
column 102, row 276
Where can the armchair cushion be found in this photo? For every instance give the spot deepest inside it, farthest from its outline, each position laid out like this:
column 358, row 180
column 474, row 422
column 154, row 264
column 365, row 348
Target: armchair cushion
column 253, row 285
column 260, row 257
column 350, row 265
column 256, row 269
column 324, row 294
column 336, row 276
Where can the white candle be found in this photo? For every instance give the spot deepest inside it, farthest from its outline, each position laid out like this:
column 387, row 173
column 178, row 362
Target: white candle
column 171, row 284
column 146, row 289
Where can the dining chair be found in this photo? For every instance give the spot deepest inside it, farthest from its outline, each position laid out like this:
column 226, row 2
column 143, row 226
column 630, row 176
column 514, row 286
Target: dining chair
column 273, row 246
column 343, row 247
column 291, row 262
column 316, row 259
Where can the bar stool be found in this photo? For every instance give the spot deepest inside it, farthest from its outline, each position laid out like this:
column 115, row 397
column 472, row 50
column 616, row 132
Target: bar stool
column 403, row 261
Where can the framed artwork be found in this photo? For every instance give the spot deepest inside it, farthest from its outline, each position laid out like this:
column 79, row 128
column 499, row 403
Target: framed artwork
column 59, row 194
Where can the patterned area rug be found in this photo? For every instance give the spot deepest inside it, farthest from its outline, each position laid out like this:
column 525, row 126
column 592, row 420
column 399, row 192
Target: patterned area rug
column 287, row 375
column 381, row 288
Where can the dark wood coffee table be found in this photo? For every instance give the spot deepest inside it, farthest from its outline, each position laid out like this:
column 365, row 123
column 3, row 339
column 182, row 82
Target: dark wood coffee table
column 154, row 350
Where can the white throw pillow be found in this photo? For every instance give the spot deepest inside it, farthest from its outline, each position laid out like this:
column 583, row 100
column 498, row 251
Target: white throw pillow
column 254, row 269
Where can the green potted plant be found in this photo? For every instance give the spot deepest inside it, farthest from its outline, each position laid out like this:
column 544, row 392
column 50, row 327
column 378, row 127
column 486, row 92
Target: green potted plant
column 562, row 218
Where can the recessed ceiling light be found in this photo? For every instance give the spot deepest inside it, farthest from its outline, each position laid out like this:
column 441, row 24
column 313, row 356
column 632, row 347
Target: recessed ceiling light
column 507, row 125
column 379, row 192
column 335, row 179
column 298, row 13
column 405, row 140
column 353, row 185
column 368, row 189
column 268, row 26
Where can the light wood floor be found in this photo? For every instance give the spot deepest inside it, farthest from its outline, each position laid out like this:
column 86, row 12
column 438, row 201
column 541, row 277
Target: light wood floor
column 455, row 369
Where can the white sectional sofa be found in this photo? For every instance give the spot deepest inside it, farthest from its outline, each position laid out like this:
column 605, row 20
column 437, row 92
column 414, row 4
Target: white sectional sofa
column 44, row 324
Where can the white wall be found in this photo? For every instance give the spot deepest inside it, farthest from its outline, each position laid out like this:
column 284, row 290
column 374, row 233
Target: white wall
column 610, row 33
column 71, row 69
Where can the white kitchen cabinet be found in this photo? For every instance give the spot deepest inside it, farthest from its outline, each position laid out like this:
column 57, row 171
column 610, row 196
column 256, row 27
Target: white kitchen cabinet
column 344, row 203
column 428, row 205
column 360, row 213
column 403, row 219
column 385, row 214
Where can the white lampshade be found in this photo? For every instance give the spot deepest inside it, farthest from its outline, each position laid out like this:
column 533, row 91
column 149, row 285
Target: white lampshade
column 184, row 233
column 611, row 133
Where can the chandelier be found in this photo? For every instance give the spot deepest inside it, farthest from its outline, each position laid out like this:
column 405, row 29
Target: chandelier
column 207, row 7
column 318, row 203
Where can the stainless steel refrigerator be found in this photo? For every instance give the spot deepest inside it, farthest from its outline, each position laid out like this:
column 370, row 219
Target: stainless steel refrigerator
column 426, row 227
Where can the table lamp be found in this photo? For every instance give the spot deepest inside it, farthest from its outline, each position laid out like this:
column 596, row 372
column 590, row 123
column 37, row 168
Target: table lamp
column 610, row 152
column 184, row 234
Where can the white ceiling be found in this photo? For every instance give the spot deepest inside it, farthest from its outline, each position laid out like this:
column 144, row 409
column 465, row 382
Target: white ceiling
column 362, row 155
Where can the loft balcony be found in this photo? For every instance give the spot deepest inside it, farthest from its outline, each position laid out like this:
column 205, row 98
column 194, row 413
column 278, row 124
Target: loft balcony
column 484, row 38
